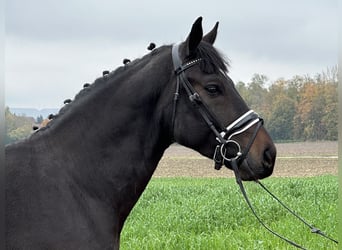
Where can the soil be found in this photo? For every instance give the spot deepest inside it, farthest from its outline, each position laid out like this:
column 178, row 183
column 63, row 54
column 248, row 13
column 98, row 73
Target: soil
column 293, row 160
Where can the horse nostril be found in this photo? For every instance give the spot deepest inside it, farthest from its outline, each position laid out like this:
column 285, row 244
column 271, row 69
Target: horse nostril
column 269, row 157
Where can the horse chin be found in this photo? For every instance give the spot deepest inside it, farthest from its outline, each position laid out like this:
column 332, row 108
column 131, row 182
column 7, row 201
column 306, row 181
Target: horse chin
column 252, row 172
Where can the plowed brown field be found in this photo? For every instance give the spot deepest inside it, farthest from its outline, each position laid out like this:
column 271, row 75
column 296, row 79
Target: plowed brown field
column 293, row 159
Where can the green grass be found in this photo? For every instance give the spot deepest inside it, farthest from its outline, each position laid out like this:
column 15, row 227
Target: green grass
column 204, row 213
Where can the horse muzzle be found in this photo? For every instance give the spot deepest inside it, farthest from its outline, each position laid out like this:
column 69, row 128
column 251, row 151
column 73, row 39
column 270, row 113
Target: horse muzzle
column 257, row 159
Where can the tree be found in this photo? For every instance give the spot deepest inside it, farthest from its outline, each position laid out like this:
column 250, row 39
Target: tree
column 282, row 111
column 316, row 117
column 256, row 94
column 330, row 111
column 17, row 127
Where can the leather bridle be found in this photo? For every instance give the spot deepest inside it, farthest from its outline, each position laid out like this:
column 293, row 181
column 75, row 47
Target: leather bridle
column 223, row 154
column 227, row 150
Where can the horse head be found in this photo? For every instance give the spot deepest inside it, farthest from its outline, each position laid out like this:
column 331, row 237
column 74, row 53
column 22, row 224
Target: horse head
column 210, row 116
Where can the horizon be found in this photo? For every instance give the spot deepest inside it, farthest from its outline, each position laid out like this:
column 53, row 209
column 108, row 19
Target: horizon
column 269, row 83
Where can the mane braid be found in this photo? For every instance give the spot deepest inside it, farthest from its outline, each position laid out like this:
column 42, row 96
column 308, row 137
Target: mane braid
column 99, row 82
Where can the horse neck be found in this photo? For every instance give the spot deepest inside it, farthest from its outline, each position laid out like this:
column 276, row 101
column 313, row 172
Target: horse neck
column 113, row 141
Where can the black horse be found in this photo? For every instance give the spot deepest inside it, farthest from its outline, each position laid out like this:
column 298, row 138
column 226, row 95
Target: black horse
column 72, row 184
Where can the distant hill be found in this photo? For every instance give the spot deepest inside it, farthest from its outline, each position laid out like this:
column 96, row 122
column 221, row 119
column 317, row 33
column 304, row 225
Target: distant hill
column 31, row 112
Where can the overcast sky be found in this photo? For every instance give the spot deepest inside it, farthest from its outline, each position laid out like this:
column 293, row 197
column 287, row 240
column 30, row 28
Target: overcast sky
column 54, row 47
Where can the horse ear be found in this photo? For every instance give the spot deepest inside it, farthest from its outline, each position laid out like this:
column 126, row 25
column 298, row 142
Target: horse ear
column 194, row 37
column 211, row 36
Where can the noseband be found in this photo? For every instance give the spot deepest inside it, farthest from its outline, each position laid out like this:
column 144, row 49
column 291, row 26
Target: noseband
column 228, row 150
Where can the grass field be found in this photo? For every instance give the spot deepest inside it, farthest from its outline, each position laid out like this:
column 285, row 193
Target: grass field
column 210, row 213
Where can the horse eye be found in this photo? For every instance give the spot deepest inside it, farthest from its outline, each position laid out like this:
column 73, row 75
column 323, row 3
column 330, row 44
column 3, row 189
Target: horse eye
column 212, row 90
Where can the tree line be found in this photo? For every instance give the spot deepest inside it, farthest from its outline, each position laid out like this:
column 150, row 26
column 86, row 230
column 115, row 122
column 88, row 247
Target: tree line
column 298, row 109
column 302, row 108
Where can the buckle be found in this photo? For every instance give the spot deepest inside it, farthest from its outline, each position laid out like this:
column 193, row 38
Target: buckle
column 218, row 159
